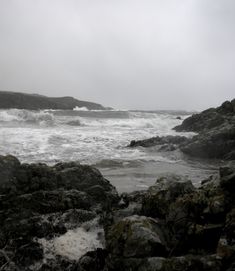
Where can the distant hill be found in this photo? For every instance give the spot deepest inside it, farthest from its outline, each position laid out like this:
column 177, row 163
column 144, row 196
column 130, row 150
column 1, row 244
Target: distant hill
column 35, row 102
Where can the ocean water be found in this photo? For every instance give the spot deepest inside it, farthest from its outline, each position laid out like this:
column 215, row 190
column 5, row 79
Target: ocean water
column 100, row 138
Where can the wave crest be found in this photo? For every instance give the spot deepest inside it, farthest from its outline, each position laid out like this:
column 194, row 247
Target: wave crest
column 26, row 116
column 83, row 108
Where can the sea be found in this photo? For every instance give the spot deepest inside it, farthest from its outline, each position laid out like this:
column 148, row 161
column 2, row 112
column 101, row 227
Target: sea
column 101, row 138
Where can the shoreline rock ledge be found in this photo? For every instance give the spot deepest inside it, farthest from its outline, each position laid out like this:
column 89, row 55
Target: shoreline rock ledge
column 169, row 227
column 215, row 138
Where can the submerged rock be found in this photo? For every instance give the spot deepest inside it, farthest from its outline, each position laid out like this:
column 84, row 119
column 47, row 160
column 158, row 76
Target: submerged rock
column 169, row 142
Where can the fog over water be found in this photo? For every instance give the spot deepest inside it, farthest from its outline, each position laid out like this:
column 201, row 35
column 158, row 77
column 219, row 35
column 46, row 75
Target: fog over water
column 125, row 54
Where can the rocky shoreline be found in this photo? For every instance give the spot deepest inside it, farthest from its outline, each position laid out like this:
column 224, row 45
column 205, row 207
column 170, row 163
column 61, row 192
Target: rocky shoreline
column 215, row 128
column 69, row 217
column 171, row 226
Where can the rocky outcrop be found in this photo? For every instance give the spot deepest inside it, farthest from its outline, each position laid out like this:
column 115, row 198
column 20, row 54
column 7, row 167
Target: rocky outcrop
column 217, row 143
column 216, row 128
column 165, row 143
column 215, row 138
column 208, row 119
column 35, row 102
column 171, row 226
column 38, row 202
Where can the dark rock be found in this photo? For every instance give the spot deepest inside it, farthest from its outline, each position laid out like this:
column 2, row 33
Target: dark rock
column 136, row 236
column 216, row 128
column 227, row 176
column 168, row 147
column 216, row 143
column 187, row 263
column 199, row 122
column 226, row 245
column 93, row 260
column 157, row 200
column 60, row 264
column 195, row 221
column 29, row 178
column 216, row 138
column 28, row 254
column 8, row 167
column 39, row 201
column 154, row 141
column 226, row 108
column 74, row 123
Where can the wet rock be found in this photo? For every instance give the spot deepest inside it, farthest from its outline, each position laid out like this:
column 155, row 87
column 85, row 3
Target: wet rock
column 226, row 245
column 216, row 143
column 93, row 260
column 195, row 221
column 188, row 262
column 59, row 264
column 166, row 190
column 227, row 176
column 216, row 138
column 28, row 254
column 168, row 147
column 216, row 128
column 39, row 201
column 8, row 167
column 136, row 236
column 207, row 119
column 165, row 140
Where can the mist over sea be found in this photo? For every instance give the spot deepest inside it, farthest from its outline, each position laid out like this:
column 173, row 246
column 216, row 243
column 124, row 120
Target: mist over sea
column 100, row 138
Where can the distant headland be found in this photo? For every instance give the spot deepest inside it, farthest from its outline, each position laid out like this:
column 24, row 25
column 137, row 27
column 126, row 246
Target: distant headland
column 36, row 102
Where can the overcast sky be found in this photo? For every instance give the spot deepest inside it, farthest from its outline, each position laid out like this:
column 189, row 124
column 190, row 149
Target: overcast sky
column 146, row 54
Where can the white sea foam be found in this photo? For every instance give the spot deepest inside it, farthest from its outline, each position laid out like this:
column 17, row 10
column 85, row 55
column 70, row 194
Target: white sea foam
column 97, row 138
column 27, row 116
column 74, row 243
column 101, row 139
column 83, row 108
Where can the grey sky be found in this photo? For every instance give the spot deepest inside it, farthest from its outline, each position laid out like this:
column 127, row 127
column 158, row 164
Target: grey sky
column 146, row 54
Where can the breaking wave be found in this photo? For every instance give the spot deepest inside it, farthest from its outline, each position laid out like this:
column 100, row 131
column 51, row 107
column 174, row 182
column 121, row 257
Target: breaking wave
column 83, row 108
column 75, row 243
column 41, row 118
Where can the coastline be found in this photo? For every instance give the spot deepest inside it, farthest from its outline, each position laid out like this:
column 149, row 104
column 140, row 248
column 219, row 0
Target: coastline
column 172, row 224
column 68, row 216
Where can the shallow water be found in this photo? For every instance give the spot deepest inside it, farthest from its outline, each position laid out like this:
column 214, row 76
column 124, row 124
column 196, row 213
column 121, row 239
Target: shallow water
column 99, row 138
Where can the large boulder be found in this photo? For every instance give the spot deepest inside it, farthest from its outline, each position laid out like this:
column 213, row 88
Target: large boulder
column 208, row 119
column 136, row 236
column 195, row 220
column 216, row 128
column 167, row 189
column 216, row 143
